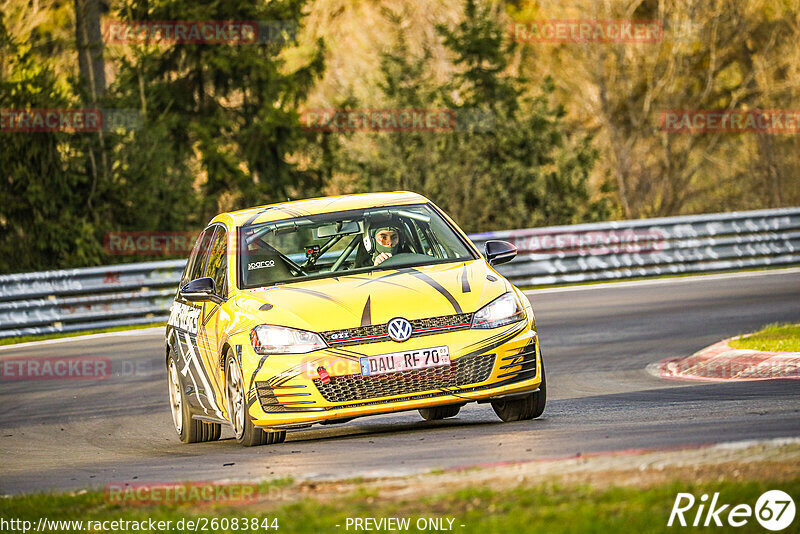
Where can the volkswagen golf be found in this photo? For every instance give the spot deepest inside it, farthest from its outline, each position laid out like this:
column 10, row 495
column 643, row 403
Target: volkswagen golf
column 323, row 310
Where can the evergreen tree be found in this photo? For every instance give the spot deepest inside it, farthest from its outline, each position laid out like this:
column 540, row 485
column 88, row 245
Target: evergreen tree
column 510, row 161
column 229, row 111
column 43, row 221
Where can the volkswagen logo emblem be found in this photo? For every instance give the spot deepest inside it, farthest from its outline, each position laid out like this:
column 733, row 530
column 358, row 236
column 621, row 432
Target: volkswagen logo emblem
column 399, row 329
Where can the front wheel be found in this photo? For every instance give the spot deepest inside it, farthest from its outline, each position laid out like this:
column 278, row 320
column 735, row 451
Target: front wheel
column 523, row 409
column 243, row 429
column 189, row 430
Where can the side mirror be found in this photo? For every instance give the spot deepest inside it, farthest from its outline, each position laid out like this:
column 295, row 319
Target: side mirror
column 498, row 252
column 200, row 290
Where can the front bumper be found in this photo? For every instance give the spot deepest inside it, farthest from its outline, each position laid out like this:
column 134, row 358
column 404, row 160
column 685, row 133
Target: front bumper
column 289, row 390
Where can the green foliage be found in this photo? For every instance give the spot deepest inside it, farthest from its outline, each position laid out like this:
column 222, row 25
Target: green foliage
column 510, row 161
column 41, row 183
column 218, row 125
column 228, row 110
column 545, row 133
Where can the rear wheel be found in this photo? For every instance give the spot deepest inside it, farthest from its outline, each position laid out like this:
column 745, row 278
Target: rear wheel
column 243, row 429
column 189, row 430
column 523, row 409
column 440, row 412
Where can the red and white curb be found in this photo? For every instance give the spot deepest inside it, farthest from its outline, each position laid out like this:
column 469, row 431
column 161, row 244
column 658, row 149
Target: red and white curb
column 721, row 362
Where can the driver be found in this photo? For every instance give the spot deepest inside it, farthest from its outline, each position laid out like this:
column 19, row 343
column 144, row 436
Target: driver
column 383, row 239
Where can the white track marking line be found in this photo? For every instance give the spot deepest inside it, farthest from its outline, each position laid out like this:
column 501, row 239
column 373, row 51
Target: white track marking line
column 662, row 281
column 138, row 332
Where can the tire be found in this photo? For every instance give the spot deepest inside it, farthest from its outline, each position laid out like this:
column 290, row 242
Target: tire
column 243, row 429
column 524, row 409
column 440, row 412
column 189, row 430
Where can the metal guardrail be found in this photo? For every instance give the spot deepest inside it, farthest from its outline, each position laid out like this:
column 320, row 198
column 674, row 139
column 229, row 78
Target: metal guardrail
column 74, row 300
column 98, row 297
column 651, row 247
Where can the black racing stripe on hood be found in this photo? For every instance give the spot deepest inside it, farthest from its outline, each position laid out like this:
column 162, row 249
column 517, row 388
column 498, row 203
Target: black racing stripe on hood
column 425, row 278
column 398, row 272
column 315, row 293
column 438, row 287
column 366, row 315
column 370, row 280
column 465, row 280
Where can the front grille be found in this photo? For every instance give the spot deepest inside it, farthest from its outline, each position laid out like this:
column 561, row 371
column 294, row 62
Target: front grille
column 375, row 333
column 462, row 371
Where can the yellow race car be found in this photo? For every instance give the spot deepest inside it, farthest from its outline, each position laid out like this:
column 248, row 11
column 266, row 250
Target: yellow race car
column 323, row 310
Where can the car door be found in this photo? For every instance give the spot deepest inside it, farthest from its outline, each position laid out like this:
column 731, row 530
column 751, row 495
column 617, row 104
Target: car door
column 208, row 335
column 186, row 336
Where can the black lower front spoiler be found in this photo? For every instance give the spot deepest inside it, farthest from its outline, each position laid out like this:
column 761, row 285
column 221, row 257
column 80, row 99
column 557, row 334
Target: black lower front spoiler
column 510, row 396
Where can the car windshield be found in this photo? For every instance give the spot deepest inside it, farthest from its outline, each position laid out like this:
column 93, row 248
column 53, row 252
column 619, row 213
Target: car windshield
column 333, row 244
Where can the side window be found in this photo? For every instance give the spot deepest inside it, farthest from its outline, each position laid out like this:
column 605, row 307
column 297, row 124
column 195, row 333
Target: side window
column 199, row 254
column 185, row 278
column 218, row 260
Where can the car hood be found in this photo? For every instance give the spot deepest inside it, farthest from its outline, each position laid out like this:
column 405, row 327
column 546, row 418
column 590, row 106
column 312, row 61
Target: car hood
column 374, row 298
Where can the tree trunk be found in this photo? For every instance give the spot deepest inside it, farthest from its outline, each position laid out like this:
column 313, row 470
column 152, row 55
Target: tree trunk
column 89, row 42
column 89, row 39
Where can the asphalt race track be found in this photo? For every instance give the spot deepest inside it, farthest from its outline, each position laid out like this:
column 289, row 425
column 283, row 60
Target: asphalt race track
column 597, row 342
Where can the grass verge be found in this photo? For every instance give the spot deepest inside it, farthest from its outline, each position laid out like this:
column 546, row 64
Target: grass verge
column 59, row 335
column 774, row 337
column 540, row 507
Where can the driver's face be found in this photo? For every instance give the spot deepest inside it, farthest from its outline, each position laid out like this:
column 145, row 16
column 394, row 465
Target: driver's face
column 387, row 238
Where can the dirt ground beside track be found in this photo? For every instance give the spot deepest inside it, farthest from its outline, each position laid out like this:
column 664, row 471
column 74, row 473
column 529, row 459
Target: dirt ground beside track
column 774, row 460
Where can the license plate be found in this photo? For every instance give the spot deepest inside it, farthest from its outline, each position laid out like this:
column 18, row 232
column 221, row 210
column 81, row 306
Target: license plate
column 407, row 360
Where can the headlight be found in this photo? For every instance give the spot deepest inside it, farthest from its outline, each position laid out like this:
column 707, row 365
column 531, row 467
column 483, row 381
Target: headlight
column 269, row 339
column 500, row 312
